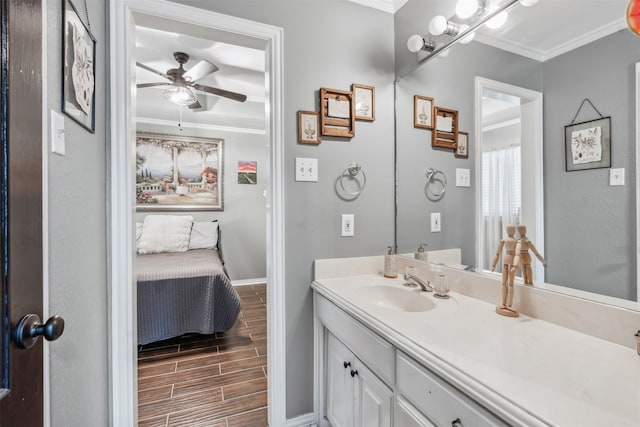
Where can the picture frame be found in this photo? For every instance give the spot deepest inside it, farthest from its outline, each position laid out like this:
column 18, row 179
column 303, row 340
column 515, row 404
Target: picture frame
column 78, row 68
column 308, row 127
column 365, row 102
column 337, row 113
column 462, row 147
column 445, row 130
column 247, row 172
column 177, row 173
column 423, row 112
column 588, row 145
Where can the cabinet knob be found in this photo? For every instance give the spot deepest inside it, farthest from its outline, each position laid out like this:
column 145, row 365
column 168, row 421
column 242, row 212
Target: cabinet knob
column 346, row 364
column 457, row 423
column 354, row 373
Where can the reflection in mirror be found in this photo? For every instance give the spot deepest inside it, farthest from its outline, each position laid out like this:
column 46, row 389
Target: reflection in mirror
column 589, row 236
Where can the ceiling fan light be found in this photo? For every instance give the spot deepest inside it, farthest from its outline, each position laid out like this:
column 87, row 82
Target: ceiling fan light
column 497, row 21
column 466, row 8
column 180, row 95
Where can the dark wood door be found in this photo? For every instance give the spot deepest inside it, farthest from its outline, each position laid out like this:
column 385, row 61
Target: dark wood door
column 21, row 233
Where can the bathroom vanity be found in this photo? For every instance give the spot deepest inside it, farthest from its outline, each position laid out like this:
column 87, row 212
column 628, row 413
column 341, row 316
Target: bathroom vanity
column 387, row 355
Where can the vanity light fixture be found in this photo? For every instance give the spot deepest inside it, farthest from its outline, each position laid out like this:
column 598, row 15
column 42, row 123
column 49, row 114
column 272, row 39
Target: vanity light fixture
column 497, row 21
column 439, row 25
column 466, row 8
column 416, row 43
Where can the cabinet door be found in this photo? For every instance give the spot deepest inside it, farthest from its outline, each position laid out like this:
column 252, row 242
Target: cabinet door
column 340, row 385
column 373, row 399
column 409, row 416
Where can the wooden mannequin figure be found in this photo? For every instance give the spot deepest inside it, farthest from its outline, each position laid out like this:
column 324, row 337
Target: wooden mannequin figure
column 510, row 263
column 525, row 258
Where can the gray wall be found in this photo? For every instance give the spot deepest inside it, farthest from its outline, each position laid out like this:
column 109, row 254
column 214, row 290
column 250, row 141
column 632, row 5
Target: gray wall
column 596, row 221
column 451, row 82
column 77, row 233
column 327, row 44
column 243, row 221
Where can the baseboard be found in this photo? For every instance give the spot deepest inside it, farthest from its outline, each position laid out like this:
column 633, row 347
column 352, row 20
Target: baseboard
column 245, row 282
column 305, row 420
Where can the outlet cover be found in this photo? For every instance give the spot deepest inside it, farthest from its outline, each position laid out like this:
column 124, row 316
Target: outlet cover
column 463, row 177
column 306, row 169
column 57, row 133
column 616, row 176
column 435, row 222
column 348, row 224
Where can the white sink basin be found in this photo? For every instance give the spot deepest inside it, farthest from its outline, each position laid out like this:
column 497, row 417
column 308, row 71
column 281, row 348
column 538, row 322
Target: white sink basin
column 397, row 299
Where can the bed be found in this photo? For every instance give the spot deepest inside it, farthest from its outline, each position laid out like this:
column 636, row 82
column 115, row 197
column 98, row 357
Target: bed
column 184, row 292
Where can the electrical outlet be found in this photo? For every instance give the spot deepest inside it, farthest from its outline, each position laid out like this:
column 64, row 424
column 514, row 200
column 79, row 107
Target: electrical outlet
column 347, row 225
column 463, row 177
column 306, row 169
column 435, row 222
column 616, row 176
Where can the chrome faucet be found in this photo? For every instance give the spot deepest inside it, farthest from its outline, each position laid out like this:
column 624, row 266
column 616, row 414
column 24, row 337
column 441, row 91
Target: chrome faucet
column 425, row 286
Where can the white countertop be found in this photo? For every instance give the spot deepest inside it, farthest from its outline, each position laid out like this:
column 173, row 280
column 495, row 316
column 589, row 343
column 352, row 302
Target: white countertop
column 539, row 372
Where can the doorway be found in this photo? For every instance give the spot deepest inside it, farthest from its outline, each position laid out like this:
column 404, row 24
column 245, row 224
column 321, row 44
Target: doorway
column 508, row 166
column 122, row 299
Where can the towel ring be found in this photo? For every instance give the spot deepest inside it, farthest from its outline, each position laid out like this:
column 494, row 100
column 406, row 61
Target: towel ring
column 351, row 172
column 432, row 176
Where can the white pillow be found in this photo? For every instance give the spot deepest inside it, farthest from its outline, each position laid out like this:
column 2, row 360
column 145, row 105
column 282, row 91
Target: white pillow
column 138, row 234
column 204, row 235
column 165, row 233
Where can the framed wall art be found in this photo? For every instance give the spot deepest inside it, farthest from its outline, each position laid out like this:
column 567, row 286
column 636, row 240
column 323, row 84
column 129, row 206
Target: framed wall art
column 423, row 112
column 178, row 173
column 365, row 97
column 78, row 69
column 445, row 132
column 462, row 148
column 337, row 113
column 588, row 145
column 308, row 132
column 247, row 172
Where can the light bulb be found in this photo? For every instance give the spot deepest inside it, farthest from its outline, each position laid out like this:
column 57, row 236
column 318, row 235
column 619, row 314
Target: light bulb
column 466, row 8
column 466, row 39
column 528, row 3
column 497, row 21
column 415, row 43
column 438, row 25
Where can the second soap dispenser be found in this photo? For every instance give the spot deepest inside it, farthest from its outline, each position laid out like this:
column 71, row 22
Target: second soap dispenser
column 420, row 254
column 390, row 264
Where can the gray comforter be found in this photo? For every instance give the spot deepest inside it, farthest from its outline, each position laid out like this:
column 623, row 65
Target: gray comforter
column 183, row 292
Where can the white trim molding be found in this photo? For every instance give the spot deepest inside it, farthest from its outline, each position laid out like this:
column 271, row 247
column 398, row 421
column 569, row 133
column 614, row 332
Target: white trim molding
column 121, row 299
column 637, row 181
column 305, row 420
column 205, row 126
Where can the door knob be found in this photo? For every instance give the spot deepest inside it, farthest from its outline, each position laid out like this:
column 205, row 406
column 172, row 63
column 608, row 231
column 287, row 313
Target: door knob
column 30, row 328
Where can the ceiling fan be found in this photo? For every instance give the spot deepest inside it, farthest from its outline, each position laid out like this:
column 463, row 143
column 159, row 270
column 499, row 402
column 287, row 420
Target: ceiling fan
column 179, row 88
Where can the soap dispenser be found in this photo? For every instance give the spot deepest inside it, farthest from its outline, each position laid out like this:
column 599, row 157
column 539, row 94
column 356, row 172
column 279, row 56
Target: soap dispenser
column 420, row 254
column 390, row 265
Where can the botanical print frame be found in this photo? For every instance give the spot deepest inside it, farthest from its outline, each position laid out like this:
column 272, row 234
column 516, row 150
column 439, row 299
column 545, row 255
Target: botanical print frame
column 462, row 148
column 78, row 68
column 179, row 173
column 588, row 145
column 308, row 127
column 365, row 100
column 423, row 112
column 247, row 172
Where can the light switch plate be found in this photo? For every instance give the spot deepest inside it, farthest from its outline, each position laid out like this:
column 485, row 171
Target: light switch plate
column 306, row 169
column 463, row 177
column 57, row 136
column 616, row 176
column 435, row 222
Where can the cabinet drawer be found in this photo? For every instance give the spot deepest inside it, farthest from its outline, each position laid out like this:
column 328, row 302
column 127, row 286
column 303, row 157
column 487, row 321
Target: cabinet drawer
column 438, row 400
column 372, row 350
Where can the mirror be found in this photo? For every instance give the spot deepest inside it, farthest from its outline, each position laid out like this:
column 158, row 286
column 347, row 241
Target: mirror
column 589, row 226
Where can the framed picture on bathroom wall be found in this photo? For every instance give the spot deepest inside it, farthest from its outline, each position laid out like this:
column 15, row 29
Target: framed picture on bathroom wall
column 462, row 149
column 365, row 97
column 308, row 128
column 445, row 131
column 423, row 112
column 588, row 145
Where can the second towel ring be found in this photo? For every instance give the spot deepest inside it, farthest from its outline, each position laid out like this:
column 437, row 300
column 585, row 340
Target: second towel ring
column 351, row 172
column 432, row 175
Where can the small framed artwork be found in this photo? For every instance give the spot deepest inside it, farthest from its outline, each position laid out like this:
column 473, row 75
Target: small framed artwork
column 247, row 172
column 337, row 113
column 445, row 132
column 78, row 69
column 423, row 112
column 462, row 149
column 588, row 145
column 365, row 97
column 308, row 127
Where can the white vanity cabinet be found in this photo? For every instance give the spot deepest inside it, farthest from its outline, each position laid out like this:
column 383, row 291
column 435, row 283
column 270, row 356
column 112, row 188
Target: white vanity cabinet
column 354, row 395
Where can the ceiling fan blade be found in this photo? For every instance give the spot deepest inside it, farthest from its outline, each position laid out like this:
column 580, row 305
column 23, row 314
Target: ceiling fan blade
column 141, row 85
column 195, row 105
column 145, row 67
column 198, row 71
column 221, row 92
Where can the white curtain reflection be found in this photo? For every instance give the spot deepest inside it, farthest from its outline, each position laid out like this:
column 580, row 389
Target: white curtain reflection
column 501, row 197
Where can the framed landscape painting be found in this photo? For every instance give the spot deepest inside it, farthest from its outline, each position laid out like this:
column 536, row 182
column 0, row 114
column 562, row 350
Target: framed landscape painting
column 178, row 173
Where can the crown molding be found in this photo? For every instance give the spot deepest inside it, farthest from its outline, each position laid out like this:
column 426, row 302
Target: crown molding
column 191, row 125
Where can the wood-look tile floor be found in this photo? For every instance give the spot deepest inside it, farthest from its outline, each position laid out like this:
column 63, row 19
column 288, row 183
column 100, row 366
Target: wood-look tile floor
column 207, row 380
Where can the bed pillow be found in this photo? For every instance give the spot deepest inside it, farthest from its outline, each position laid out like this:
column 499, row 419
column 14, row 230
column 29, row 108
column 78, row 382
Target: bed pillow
column 204, row 235
column 138, row 234
column 165, row 233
